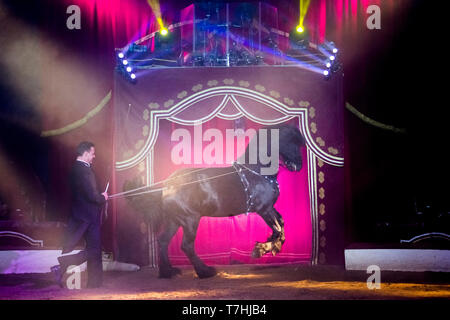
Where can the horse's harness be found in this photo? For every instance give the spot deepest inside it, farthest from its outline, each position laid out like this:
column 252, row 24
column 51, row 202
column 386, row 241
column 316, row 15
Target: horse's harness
column 241, row 170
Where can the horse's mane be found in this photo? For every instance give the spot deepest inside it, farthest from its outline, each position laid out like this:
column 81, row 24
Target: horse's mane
column 290, row 139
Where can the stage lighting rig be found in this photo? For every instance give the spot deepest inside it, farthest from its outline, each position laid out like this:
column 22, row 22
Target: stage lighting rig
column 123, row 66
column 331, row 68
column 127, row 60
column 330, row 46
column 328, row 52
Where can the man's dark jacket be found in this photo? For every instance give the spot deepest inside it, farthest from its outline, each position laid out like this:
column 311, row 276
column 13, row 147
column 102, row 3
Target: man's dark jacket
column 86, row 199
column 85, row 208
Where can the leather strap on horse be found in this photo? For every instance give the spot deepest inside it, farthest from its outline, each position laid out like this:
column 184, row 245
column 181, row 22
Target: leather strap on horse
column 240, row 168
column 245, row 184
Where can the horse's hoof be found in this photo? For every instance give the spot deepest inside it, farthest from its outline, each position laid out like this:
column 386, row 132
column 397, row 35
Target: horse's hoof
column 256, row 253
column 258, row 250
column 168, row 273
column 208, row 272
column 175, row 271
column 165, row 275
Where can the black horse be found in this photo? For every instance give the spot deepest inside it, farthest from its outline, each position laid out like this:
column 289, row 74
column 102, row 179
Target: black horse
column 190, row 194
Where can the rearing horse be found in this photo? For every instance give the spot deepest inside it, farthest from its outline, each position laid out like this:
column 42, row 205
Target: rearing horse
column 190, row 194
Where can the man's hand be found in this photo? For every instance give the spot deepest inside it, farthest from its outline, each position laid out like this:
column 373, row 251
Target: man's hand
column 105, row 194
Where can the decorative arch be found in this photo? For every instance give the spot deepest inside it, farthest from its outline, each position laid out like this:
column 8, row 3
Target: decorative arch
column 229, row 94
column 262, row 95
column 231, row 107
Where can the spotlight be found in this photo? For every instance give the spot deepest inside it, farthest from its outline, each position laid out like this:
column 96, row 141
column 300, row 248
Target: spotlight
column 121, row 55
column 164, row 32
column 129, row 69
column 328, row 65
column 326, row 72
column 133, row 76
column 300, row 29
column 332, row 58
column 335, row 50
column 125, row 62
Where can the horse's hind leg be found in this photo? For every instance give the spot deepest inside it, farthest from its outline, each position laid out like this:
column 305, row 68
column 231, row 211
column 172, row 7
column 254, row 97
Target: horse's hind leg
column 190, row 227
column 274, row 243
column 165, row 268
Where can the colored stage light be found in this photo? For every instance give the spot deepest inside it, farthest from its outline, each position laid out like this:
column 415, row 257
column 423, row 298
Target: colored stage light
column 121, row 55
column 304, row 5
column 125, row 62
column 154, row 4
column 164, row 32
column 129, row 69
column 332, row 58
column 328, row 65
column 326, row 72
column 335, row 50
column 133, row 76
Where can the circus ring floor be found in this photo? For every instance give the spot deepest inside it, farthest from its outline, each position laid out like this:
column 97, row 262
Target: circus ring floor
column 237, row 282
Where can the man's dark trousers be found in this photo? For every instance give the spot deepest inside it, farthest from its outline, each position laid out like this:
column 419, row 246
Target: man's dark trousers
column 92, row 253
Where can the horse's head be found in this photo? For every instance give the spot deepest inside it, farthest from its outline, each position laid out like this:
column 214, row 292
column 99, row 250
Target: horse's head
column 280, row 143
column 291, row 141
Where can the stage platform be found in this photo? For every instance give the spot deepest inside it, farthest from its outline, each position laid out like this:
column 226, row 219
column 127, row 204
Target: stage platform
column 25, row 261
column 396, row 257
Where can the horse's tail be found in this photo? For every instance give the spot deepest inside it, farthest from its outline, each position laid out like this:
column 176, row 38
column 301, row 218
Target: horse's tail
column 148, row 203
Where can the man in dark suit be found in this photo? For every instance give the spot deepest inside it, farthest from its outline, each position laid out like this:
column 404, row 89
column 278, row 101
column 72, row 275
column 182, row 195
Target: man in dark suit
column 85, row 219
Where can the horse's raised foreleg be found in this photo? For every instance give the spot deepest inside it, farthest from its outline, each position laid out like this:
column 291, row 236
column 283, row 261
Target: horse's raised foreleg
column 190, row 226
column 165, row 268
column 278, row 237
column 274, row 243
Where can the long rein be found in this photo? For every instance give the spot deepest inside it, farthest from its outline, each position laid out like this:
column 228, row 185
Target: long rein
column 131, row 193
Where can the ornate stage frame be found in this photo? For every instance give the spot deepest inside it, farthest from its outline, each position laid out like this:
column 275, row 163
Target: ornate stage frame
column 231, row 92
